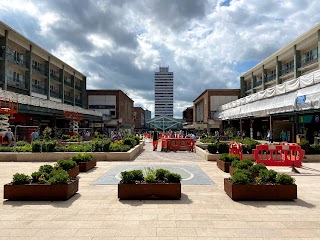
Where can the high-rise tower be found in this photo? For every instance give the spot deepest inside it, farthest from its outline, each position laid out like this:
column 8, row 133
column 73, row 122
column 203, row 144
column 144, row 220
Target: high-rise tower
column 163, row 89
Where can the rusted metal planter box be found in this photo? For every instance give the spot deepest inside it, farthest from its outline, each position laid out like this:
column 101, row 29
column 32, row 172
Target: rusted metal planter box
column 224, row 166
column 260, row 192
column 73, row 172
column 41, row 192
column 149, row 191
column 86, row 166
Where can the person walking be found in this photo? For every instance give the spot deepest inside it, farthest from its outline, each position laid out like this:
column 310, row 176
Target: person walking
column 10, row 137
column 34, row 135
column 283, row 136
column 155, row 138
column 269, row 136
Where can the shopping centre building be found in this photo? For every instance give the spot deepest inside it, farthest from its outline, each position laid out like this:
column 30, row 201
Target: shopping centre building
column 38, row 89
column 280, row 93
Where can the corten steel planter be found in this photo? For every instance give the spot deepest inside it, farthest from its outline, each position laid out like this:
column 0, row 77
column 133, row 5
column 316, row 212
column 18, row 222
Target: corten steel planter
column 232, row 170
column 41, row 192
column 260, row 192
column 149, row 191
column 86, row 166
column 224, row 166
column 73, row 172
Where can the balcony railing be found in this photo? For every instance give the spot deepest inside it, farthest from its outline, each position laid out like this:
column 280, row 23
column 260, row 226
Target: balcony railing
column 270, row 78
column 247, row 88
column 257, row 83
column 55, row 94
column 68, row 98
column 39, row 70
column 286, row 71
column 70, row 84
column 20, row 62
column 78, row 87
column 38, row 88
column 55, row 77
column 308, row 61
column 16, row 83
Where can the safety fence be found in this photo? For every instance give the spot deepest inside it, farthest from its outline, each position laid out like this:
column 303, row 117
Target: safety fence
column 285, row 154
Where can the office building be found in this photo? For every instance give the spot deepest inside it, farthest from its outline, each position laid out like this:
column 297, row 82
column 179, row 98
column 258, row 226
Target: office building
column 163, row 82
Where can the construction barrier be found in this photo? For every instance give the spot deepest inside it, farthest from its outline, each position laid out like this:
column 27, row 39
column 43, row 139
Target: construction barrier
column 235, row 149
column 164, row 144
column 279, row 155
column 180, row 144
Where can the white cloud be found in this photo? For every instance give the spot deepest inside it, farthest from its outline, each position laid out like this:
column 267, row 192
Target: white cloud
column 120, row 44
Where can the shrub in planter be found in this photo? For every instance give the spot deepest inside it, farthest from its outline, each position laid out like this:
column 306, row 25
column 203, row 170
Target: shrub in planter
column 6, row 149
column 129, row 141
column 284, row 179
column 173, row 177
column 150, row 175
column 305, row 145
column 161, row 174
column 226, row 157
column 20, row 178
column 234, row 163
column 118, row 147
column 132, row 176
column 21, row 143
column 25, row 148
column 315, row 149
column 65, row 137
column 266, row 176
column 65, row 164
column 82, row 157
column 36, row 146
column 40, row 177
column 240, row 177
column 223, row 147
column 244, row 164
column 49, row 146
column 257, row 168
column 46, row 168
column 59, row 177
column 138, row 139
column 212, row 148
column 106, row 145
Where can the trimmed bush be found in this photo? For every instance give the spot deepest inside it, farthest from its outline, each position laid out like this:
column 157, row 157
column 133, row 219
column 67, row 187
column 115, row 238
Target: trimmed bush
column 82, row 157
column 59, row 177
column 65, row 164
column 40, row 177
column 46, row 168
column 212, row 148
column 284, row 179
column 132, row 176
column 223, row 147
column 257, row 167
column 161, row 173
column 21, row 143
column 20, row 178
column 118, row 147
column 173, row 177
column 239, row 178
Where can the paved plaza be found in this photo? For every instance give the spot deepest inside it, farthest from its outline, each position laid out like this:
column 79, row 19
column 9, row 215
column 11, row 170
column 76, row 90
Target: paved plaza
column 205, row 212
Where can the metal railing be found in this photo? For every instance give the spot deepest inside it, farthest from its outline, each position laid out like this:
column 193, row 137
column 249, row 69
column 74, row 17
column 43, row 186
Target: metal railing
column 308, row 61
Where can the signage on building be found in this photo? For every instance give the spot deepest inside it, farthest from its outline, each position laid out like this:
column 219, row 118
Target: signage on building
column 301, row 99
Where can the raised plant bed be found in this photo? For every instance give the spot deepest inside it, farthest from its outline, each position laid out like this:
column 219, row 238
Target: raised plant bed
column 224, row 166
column 41, row 192
column 260, row 192
column 232, row 170
column 86, row 166
column 73, row 172
column 149, row 191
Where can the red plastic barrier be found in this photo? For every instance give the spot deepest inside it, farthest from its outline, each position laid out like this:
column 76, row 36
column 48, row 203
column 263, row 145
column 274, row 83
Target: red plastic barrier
column 180, row 144
column 236, row 149
column 147, row 135
column 279, row 155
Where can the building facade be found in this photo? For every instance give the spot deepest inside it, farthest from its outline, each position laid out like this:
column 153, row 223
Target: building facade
column 139, row 119
column 207, row 104
column 48, row 91
column 163, row 89
column 116, row 108
column 281, row 92
column 187, row 115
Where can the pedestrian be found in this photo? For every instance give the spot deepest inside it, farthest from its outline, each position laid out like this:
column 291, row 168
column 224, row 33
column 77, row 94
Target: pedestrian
column 283, row 136
column 269, row 136
column 217, row 135
column 155, row 138
column 34, row 135
column 10, row 137
column 258, row 135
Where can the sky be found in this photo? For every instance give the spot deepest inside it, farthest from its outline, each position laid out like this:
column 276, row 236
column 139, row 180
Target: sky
column 120, row 44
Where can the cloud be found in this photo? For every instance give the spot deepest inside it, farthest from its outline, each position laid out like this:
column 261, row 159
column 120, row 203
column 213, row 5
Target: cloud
column 120, row 44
